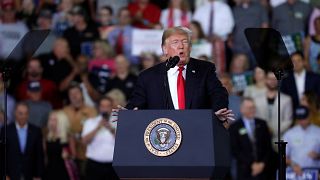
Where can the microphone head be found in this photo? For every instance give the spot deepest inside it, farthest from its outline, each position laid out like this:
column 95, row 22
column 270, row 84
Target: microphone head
column 172, row 62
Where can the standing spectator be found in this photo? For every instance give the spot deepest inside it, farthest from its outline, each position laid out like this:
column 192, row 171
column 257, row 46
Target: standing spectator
column 38, row 109
column 303, row 149
column 49, row 91
column 248, row 13
column 121, row 36
column 311, row 101
column 177, row 14
column 259, row 87
column 312, row 48
column 251, row 144
column 11, row 30
column 57, row 143
column 144, row 14
column 105, row 21
column 198, row 39
column 123, row 80
column 10, row 103
column 81, row 35
column 99, row 136
column 300, row 80
column 24, row 147
column 291, row 17
column 77, row 112
column 60, row 60
column 267, row 107
column 61, row 19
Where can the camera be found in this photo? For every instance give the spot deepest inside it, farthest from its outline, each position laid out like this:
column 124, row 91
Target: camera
column 105, row 115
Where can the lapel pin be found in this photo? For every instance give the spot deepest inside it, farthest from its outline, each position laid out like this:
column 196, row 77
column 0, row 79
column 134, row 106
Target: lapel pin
column 193, row 71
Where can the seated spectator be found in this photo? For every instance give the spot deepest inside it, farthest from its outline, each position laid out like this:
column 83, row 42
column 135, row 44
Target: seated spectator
column 311, row 101
column 177, row 14
column 57, row 147
column 82, row 34
column 38, row 109
column 105, row 21
column 49, row 91
column 258, row 87
column 251, row 144
column 312, row 48
column 99, row 136
column 144, row 14
column 61, row 19
column 303, row 148
column 24, row 147
column 124, row 79
column 198, row 39
column 77, row 112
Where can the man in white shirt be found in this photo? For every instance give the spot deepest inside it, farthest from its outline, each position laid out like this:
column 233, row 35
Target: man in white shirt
column 99, row 136
column 303, row 149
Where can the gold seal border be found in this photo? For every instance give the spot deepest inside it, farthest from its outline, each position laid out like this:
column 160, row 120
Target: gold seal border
column 177, row 143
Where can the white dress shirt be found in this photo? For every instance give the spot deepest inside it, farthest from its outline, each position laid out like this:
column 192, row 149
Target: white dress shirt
column 223, row 21
column 172, row 79
column 177, row 14
column 300, row 82
column 101, row 147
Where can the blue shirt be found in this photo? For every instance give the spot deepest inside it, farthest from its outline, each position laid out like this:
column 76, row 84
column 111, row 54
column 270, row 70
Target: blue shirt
column 22, row 136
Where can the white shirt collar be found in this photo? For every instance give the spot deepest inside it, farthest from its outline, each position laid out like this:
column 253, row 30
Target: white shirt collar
column 19, row 127
column 302, row 74
column 174, row 70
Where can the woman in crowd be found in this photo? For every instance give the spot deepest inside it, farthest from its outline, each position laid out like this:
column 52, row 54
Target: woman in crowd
column 311, row 100
column 259, row 86
column 312, row 48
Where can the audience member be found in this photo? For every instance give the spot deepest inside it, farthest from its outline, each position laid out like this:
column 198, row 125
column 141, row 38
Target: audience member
column 311, row 101
column 251, row 143
column 57, row 145
column 312, row 48
column 303, row 148
column 105, row 21
column 115, row 5
column 248, row 13
column 49, row 91
column 121, row 37
column 259, row 86
column 38, row 109
column 177, row 14
column 300, row 80
column 11, row 30
column 118, row 97
column 234, row 99
column 27, row 12
column 144, row 14
column 61, row 19
column 24, row 147
column 77, row 112
column 123, row 80
column 81, row 35
column 314, row 14
column 267, row 107
column 291, row 17
column 148, row 60
column 198, row 40
column 99, row 136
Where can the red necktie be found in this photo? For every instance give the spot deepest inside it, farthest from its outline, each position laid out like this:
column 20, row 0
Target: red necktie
column 119, row 43
column 180, row 88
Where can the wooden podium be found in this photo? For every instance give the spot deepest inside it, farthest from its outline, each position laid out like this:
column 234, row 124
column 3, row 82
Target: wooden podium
column 204, row 151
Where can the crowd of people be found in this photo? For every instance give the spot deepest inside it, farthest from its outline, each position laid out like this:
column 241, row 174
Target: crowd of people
column 64, row 93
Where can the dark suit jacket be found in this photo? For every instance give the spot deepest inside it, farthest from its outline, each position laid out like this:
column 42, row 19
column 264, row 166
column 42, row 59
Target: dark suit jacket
column 30, row 163
column 203, row 90
column 243, row 150
column 289, row 87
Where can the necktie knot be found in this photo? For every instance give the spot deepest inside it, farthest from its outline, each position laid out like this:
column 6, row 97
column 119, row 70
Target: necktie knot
column 181, row 69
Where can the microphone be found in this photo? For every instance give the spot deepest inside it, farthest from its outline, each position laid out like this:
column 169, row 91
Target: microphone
column 172, row 62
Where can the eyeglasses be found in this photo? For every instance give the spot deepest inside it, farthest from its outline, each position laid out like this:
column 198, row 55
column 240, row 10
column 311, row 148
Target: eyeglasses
column 176, row 43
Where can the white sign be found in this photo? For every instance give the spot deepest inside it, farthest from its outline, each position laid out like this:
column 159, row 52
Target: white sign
column 145, row 40
column 201, row 49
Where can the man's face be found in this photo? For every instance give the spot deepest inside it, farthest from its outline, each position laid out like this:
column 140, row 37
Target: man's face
column 271, row 81
column 178, row 45
column 124, row 17
column 297, row 62
column 75, row 97
column 21, row 114
column 122, row 65
column 248, row 109
column 34, row 68
column 105, row 106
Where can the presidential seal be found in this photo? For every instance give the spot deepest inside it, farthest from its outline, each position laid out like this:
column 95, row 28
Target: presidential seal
column 162, row 137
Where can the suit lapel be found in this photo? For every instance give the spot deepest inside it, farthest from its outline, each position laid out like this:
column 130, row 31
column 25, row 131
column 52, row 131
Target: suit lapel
column 166, row 89
column 16, row 138
column 191, row 82
column 29, row 139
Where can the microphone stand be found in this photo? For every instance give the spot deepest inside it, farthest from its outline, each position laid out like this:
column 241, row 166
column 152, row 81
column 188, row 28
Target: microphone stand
column 281, row 143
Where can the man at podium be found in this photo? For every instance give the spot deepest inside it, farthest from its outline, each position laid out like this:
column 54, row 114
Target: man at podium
column 181, row 82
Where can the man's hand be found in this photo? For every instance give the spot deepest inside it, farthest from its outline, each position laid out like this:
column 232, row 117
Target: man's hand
column 257, row 168
column 225, row 114
column 115, row 112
